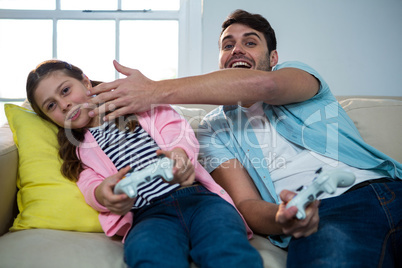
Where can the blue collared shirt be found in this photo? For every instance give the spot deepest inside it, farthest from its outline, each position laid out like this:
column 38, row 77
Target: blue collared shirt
column 319, row 124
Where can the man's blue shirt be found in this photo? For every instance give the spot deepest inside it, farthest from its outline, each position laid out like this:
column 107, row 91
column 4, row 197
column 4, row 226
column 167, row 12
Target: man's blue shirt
column 319, row 124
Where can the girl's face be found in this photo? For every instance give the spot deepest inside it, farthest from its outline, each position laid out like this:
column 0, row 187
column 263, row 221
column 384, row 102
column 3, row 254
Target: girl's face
column 62, row 97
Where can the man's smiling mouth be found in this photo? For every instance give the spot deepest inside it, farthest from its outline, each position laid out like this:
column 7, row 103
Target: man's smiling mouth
column 241, row 64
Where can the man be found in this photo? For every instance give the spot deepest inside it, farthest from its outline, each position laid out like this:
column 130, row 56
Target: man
column 287, row 126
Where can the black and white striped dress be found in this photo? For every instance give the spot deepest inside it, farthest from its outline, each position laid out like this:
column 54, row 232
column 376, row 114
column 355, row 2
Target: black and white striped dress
column 137, row 149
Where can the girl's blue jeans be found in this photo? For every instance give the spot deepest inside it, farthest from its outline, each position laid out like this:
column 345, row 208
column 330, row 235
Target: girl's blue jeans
column 362, row 228
column 191, row 224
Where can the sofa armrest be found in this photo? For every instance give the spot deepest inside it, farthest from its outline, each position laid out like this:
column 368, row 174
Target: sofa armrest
column 8, row 178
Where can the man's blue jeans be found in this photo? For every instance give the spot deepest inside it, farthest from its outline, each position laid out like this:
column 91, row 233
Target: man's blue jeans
column 191, row 224
column 361, row 228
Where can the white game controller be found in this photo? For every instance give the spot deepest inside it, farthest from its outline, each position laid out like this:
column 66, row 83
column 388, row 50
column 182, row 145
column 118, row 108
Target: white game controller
column 326, row 181
column 130, row 183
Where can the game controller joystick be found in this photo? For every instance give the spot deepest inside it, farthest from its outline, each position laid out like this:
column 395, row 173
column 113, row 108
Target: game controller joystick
column 130, row 183
column 326, row 181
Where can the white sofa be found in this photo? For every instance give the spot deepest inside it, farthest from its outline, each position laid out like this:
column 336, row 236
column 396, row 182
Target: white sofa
column 379, row 120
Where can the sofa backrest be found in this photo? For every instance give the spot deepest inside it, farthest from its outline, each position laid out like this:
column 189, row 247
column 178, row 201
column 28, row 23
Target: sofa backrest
column 379, row 122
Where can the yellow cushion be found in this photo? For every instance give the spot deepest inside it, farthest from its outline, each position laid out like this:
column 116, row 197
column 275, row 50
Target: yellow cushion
column 45, row 198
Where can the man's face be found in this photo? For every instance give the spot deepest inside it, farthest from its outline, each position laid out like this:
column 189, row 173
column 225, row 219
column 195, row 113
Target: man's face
column 243, row 47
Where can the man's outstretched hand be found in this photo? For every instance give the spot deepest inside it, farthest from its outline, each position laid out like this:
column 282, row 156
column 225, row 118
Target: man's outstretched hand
column 133, row 94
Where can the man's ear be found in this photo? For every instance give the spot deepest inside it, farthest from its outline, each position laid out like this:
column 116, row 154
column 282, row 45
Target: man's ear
column 273, row 58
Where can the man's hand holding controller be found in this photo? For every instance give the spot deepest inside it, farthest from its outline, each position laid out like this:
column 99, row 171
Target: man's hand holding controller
column 298, row 214
column 326, row 181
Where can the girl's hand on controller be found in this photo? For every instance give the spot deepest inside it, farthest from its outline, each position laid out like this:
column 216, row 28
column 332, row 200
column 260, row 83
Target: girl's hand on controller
column 183, row 170
column 118, row 204
column 286, row 217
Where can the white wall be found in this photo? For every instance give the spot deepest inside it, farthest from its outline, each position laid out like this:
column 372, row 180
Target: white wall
column 356, row 45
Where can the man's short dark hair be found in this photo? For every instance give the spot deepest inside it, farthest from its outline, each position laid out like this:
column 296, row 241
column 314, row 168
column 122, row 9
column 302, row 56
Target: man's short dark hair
column 254, row 21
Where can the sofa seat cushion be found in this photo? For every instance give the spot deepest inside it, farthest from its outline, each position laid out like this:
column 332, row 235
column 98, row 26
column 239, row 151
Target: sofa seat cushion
column 63, row 249
column 47, row 248
column 379, row 122
column 272, row 256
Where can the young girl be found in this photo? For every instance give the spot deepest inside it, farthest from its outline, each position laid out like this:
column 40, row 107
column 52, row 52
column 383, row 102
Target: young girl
column 169, row 224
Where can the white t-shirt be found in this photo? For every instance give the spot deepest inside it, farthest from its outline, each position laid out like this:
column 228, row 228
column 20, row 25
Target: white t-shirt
column 290, row 165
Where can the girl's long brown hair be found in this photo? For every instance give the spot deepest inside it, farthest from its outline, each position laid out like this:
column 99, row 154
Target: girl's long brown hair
column 71, row 166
